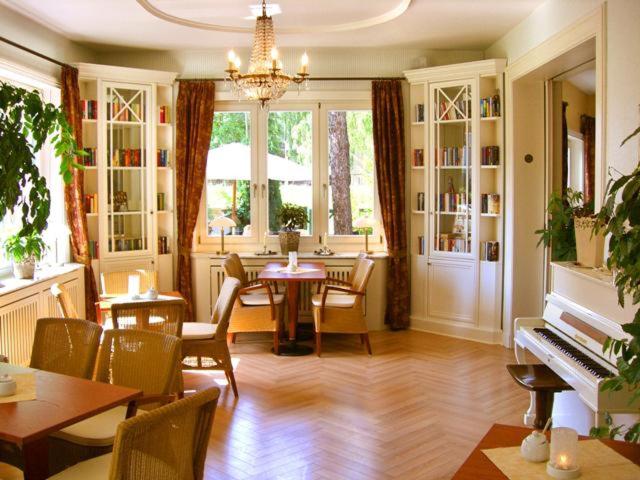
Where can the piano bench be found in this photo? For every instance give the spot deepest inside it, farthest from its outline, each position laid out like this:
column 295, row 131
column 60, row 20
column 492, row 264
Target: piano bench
column 544, row 382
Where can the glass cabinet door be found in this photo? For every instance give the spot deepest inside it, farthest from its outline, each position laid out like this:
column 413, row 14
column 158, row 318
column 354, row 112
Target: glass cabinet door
column 452, row 169
column 127, row 169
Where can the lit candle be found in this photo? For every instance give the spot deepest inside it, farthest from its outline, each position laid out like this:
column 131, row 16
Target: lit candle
column 324, row 240
column 274, row 58
column 563, row 461
column 304, row 63
column 231, row 57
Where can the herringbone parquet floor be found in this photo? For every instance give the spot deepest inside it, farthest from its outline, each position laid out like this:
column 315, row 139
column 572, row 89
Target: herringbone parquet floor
column 414, row 410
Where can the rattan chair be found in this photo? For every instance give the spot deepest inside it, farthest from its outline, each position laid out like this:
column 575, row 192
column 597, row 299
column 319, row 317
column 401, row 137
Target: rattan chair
column 164, row 316
column 114, row 284
column 345, row 283
column 66, row 345
column 343, row 313
column 65, row 304
column 209, row 340
column 257, row 308
column 169, row 443
column 130, row 358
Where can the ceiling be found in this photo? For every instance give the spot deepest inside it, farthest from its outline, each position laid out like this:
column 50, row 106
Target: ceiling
column 205, row 24
column 584, row 81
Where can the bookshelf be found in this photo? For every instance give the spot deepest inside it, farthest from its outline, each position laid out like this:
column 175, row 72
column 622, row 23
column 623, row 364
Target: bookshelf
column 129, row 177
column 456, row 242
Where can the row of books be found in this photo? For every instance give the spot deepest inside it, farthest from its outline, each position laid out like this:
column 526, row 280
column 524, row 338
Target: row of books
column 453, row 156
column 490, row 203
column 91, row 203
column 420, row 203
column 421, row 245
column 127, row 157
column 94, row 251
column 459, row 110
column 90, row 159
column 132, row 112
column 418, row 157
column 453, row 242
column 490, row 106
column 449, row 202
column 420, row 112
column 490, row 155
column 490, row 251
column 163, row 245
column 163, row 112
column 160, row 201
column 127, row 244
column 162, row 157
column 89, row 109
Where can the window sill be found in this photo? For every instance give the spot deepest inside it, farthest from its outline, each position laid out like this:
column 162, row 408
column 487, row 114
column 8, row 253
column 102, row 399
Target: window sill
column 301, row 255
column 9, row 284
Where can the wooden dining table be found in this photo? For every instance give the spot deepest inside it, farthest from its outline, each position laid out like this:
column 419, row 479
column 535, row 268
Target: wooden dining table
column 103, row 306
column 274, row 272
column 60, row 401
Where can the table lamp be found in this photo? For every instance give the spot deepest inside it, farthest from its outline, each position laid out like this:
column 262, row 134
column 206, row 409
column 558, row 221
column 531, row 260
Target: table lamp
column 222, row 222
column 365, row 223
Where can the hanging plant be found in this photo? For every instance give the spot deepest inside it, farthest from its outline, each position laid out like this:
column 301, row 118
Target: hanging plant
column 26, row 123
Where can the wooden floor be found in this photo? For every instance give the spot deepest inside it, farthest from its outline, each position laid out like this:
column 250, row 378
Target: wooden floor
column 414, row 410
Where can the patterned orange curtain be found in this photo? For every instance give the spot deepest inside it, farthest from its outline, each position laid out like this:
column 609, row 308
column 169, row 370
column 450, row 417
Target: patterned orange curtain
column 74, row 192
column 588, row 131
column 388, row 141
column 194, row 121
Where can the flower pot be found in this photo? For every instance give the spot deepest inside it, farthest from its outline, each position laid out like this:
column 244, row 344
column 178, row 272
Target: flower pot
column 24, row 269
column 289, row 241
column 589, row 245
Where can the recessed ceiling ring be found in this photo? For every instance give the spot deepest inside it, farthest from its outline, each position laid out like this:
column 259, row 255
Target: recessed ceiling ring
column 391, row 14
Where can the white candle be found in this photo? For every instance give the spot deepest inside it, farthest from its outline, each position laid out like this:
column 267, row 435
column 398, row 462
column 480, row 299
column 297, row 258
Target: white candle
column 264, row 241
column 231, row 57
column 324, row 240
column 304, row 63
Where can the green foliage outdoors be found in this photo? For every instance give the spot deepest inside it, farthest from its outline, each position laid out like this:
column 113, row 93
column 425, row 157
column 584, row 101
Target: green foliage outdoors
column 292, row 217
column 21, row 247
column 620, row 218
column 230, row 127
column 26, row 123
column 290, row 136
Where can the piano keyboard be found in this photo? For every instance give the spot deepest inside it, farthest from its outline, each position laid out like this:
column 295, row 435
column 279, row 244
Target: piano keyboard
column 572, row 352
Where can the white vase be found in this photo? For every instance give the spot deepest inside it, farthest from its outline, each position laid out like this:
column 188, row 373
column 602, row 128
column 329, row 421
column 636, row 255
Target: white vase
column 24, row 269
column 589, row 245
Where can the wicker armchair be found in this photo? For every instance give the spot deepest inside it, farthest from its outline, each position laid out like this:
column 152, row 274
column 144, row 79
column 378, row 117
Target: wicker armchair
column 114, row 284
column 209, row 340
column 345, row 283
column 164, row 316
column 130, row 358
column 343, row 313
column 166, row 444
column 66, row 345
column 257, row 308
column 61, row 294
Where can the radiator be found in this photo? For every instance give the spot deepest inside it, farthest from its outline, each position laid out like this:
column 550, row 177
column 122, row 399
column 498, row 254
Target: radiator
column 17, row 329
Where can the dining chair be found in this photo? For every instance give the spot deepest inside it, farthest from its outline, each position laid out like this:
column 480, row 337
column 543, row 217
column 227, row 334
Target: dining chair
column 335, row 313
column 257, row 308
column 164, row 316
column 209, row 339
column 66, row 345
column 138, row 359
column 345, row 283
column 114, row 284
column 166, row 444
column 65, row 304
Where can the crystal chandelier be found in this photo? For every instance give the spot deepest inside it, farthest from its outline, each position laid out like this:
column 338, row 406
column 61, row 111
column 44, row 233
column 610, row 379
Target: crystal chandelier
column 265, row 80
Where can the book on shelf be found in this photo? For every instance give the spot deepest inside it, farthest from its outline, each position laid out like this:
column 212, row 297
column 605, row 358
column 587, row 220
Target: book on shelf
column 163, row 114
column 162, row 157
column 421, row 245
column 163, row 245
column 490, row 203
column 126, row 244
column 453, row 242
column 89, row 160
column 420, row 204
column 490, row 106
column 94, row 251
column 490, row 155
column 450, row 202
column 418, row 157
column 127, row 157
column 453, row 156
column 132, row 112
column 91, row 203
column 458, row 110
column 420, row 112
column 490, row 251
column 89, row 109
column 160, row 201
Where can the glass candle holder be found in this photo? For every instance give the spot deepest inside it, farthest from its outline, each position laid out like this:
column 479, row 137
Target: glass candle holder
column 563, row 460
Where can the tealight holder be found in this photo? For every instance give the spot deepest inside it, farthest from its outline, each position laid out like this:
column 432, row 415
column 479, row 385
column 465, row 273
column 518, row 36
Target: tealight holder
column 563, row 461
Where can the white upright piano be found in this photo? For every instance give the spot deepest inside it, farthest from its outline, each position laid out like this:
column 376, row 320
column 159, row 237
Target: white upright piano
column 581, row 312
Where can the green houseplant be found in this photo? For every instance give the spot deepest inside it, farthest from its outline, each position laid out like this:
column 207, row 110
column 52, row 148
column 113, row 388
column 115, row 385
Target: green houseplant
column 25, row 250
column 620, row 218
column 291, row 217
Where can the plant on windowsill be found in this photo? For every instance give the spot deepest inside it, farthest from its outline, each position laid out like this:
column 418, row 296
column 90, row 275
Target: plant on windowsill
column 292, row 217
column 24, row 251
column 620, row 218
column 569, row 231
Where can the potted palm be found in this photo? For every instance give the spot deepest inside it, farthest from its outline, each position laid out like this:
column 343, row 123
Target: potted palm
column 24, row 250
column 292, row 218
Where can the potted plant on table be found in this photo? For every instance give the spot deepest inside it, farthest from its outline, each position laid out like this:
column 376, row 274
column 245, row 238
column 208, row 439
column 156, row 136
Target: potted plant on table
column 292, row 218
column 24, row 250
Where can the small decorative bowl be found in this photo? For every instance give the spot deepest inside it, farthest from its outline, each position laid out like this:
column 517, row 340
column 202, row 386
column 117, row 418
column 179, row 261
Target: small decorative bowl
column 8, row 386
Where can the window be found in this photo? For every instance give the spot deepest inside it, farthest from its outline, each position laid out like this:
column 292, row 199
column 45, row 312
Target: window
column 351, row 169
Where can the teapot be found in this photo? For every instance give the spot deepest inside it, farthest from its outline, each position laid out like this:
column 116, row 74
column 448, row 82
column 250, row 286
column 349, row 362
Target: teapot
column 535, row 448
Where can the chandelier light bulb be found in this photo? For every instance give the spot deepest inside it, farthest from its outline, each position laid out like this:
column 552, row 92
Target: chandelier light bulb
column 304, row 63
column 274, row 53
column 231, row 58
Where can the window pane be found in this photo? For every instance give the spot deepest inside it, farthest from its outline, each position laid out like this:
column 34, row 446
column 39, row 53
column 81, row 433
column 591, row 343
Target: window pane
column 289, row 164
column 229, row 172
column 351, row 169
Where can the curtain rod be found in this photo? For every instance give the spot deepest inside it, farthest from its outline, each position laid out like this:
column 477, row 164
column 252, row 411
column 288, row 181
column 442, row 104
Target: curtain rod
column 33, row 52
column 311, row 79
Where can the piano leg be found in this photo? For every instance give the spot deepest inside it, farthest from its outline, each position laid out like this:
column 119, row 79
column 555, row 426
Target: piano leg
column 530, row 415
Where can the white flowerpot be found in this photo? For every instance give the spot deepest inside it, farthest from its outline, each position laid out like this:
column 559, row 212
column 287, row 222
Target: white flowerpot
column 25, row 269
column 589, row 245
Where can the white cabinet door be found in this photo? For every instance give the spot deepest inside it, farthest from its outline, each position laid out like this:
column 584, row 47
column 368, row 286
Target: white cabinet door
column 452, row 291
column 18, row 327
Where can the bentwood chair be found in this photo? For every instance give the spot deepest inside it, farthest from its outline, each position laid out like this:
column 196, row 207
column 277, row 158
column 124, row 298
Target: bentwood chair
column 117, row 283
column 342, row 312
column 209, row 340
column 168, row 443
column 345, row 283
column 66, row 345
column 129, row 358
column 65, row 304
column 257, row 308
